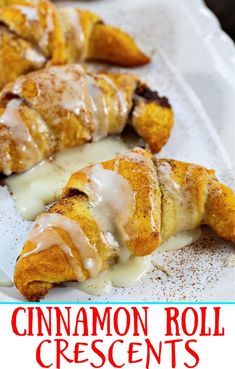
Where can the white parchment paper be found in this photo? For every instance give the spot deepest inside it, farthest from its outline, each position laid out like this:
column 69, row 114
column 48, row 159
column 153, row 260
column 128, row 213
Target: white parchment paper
column 199, row 86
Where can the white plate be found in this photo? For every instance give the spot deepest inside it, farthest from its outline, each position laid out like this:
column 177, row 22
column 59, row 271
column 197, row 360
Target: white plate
column 192, row 68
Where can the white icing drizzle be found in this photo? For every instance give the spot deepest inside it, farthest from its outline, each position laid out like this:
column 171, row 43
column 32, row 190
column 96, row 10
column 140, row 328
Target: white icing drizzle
column 99, row 109
column 112, row 200
column 153, row 181
column 185, row 207
column 120, row 104
column 135, row 156
column 180, row 240
column 73, row 18
column 131, row 269
column 80, row 94
column 50, row 238
column 11, row 118
column 35, row 56
column 45, row 237
column 74, row 96
column 30, row 13
column 17, row 86
column 43, row 183
column 121, row 275
column 45, row 37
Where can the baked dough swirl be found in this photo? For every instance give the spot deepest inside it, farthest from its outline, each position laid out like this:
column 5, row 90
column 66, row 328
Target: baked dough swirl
column 134, row 201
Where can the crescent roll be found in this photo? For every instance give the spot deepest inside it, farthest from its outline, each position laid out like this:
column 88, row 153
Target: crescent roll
column 134, row 201
column 59, row 107
column 35, row 34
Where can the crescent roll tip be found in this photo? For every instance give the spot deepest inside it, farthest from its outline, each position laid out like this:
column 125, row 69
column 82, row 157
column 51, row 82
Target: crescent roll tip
column 115, row 46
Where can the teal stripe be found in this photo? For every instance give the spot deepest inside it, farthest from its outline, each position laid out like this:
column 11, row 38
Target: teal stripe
column 118, row 303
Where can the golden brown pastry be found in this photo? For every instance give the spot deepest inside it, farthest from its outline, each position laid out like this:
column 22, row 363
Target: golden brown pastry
column 134, row 201
column 56, row 108
column 10, row 2
column 37, row 34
